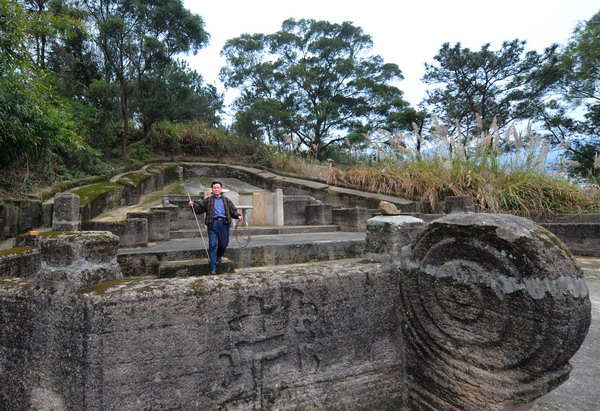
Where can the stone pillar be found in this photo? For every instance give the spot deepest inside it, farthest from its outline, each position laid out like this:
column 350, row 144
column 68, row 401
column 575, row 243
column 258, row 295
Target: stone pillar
column 351, row 219
column 72, row 261
column 262, row 211
column 135, row 232
column 319, row 214
column 278, row 207
column 160, row 225
column 458, row 204
column 494, row 306
column 47, row 211
column 386, row 235
column 172, row 209
column 66, row 215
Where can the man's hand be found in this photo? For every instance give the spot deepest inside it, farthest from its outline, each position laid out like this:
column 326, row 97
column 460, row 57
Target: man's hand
column 191, row 203
column 240, row 218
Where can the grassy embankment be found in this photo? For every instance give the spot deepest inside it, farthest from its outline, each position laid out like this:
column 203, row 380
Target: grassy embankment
column 499, row 181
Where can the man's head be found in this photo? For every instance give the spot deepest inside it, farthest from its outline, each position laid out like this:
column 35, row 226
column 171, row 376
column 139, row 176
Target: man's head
column 216, row 187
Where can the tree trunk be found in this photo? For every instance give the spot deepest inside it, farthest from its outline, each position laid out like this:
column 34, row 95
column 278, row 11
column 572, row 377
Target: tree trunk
column 124, row 116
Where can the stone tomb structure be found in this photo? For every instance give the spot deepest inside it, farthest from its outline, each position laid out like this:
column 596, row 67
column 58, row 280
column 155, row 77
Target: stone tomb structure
column 469, row 312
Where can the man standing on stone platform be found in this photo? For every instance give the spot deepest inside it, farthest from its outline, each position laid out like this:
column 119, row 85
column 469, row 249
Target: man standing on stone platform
column 219, row 210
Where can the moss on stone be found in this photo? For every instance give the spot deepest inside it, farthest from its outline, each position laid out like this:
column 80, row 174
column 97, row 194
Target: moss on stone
column 16, row 251
column 23, row 284
column 134, row 179
column 101, row 235
column 87, row 194
column 177, row 189
column 101, row 288
column 149, row 289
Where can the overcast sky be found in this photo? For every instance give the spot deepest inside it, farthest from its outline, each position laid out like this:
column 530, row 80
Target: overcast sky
column 406, row 33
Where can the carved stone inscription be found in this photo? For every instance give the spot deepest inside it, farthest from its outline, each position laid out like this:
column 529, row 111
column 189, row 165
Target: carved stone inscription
column 267, row 340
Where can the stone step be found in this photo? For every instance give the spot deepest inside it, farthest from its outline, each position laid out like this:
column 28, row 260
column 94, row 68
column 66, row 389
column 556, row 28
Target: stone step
column 269, row 230
column 261, row 250
column 193, row 267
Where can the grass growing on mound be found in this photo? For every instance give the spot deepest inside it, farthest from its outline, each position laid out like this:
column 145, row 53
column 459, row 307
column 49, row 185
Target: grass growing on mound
column 89, row 193
column 197, row 139
column 499, row 181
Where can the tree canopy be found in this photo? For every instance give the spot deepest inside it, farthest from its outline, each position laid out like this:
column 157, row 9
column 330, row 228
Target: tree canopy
column 34, row 122
column 570, row 113
column 491, row 84
column 311, row 84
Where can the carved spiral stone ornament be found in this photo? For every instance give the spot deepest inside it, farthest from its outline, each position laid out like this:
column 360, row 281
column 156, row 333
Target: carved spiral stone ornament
column 495, row 306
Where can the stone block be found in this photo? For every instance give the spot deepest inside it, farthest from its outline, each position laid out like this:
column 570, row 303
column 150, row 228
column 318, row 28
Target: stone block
column 319, row 214
column 22, row 261
column 132, row 232
column 160, row 224
column 172, row 210
column 66, row 215
column 30, row 215
column 294, row 208
column 386, row 235
column 263, row 208
column 135, row 232
column 581, row 238
column 351, row 219
column 459, row 204
column 74, row 260
column 9, row 213
column 47, row 211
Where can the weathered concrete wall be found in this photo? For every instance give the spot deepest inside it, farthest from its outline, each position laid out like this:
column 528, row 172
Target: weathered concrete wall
column 132, row 232
column 294, row 208
column 19, row 216
column 581, row 238
column 387, row 235
column 19, row 262
column 319, row 214
column 350, row 219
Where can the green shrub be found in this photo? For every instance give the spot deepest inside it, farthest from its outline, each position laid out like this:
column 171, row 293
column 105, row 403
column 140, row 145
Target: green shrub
column 141, row 153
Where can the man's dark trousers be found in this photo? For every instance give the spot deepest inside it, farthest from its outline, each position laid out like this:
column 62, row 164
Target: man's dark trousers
column 218, row 239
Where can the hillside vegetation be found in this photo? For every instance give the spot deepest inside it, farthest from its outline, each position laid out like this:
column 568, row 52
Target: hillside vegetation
column 89, row 89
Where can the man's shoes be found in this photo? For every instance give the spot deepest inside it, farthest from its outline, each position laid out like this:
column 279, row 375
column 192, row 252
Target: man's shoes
column 212, row 272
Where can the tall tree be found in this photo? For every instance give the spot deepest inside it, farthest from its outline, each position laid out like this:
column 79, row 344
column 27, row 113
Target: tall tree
column 314, row 81
column 486, row 83
column 33, row 122
column 571, row 115
column 134, row 36
column 176, row 93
